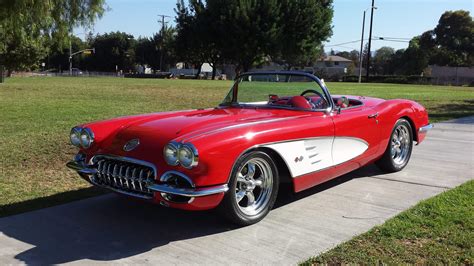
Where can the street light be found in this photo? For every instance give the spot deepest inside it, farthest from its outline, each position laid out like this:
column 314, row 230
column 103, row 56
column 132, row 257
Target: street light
column 362, row 43
column 71, row 54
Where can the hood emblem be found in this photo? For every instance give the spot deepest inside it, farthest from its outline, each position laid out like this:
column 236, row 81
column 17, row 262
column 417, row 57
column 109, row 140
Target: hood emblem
column 131, row 145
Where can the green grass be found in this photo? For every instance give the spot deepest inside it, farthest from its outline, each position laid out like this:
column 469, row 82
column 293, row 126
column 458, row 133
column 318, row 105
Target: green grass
column 436, row 231
column 36, row 115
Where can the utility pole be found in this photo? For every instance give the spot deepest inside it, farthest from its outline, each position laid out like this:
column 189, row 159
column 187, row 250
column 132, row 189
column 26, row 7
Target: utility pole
column 361, row 47
column 370, row 41
column 163, row 24
column 70, row 58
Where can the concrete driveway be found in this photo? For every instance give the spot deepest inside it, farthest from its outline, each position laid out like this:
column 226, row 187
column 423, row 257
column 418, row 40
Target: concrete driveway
column 110, row 229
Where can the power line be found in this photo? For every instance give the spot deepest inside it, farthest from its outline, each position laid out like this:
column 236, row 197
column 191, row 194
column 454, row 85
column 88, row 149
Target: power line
column 395, row 38
column 339, row 44
column 391, row 40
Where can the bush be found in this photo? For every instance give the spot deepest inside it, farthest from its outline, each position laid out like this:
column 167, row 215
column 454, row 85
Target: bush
column 391, row 79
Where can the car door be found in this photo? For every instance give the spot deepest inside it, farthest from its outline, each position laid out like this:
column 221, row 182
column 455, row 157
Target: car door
column 356, row 138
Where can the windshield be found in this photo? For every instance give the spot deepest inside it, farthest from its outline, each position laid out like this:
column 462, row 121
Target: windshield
column 294, row 91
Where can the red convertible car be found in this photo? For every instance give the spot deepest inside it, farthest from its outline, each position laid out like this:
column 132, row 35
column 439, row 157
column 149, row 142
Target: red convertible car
column 272, row 127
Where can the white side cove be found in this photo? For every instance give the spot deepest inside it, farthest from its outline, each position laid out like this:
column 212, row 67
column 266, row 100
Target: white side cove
column 311, row 155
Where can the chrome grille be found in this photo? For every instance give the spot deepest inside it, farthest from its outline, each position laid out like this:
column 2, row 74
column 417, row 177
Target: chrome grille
column 124, row 175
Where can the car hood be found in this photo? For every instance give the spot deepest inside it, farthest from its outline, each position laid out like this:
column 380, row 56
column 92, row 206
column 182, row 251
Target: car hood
column 156, row 130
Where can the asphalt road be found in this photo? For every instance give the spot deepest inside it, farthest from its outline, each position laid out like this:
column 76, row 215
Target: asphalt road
column 111, row 229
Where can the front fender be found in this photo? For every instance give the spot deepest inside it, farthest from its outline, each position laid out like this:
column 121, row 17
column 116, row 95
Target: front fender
column 392, row 110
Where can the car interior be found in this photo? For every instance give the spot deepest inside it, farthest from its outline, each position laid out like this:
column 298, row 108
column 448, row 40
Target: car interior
column 312, row 102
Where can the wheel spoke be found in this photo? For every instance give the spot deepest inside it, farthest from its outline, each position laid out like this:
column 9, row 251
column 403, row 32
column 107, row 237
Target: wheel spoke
column 258, row 182
column 250, row 170
column 250, row 198
column 240, row 195
column 240, row 178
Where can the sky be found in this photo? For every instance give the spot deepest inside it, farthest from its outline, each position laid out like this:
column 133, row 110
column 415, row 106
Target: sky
column 402, row 19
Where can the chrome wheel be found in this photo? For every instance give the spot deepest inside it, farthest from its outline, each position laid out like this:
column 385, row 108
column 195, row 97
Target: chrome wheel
column 400, row 144
column 254, row 186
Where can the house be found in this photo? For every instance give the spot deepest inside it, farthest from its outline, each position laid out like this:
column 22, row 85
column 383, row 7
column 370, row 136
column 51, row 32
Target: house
column 332, row 66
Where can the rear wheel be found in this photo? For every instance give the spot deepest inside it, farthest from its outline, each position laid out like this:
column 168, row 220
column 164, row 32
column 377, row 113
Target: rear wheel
column 253, row 188
column 399, row 148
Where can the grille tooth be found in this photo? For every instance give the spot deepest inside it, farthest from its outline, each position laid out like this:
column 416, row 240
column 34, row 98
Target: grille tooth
column 124, row 176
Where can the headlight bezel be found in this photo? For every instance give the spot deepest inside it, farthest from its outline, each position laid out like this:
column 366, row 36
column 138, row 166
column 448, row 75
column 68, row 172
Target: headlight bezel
column 75, row 132
column 190, row 148
column 172, row 146
column 194, row 155
column 88, row 133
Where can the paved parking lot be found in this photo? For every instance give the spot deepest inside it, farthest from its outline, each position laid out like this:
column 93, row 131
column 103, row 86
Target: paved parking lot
column 110, row 229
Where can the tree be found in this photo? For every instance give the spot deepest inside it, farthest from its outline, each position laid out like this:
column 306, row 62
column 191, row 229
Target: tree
column 247, row 32
column 382, row 60
column 415, row 58
column 248, row 29
column 190, row 40
column 164, row 48
column 26, row 26
column 112, row 50
column 304, row 25
column 455, row 38
column 354, row 57
column 451, row 43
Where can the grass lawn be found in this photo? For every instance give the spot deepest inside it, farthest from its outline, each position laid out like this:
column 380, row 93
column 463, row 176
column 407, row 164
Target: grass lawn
column 36, row 115
column 439, row 230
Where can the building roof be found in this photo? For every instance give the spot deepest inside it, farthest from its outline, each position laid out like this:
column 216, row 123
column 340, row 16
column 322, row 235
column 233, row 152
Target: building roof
column 334, row 58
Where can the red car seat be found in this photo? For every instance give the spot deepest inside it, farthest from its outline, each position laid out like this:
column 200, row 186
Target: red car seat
column 299, row 102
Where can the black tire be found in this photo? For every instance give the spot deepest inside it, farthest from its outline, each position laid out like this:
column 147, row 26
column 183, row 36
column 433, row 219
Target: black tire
column 392, row 163
column 231, row 208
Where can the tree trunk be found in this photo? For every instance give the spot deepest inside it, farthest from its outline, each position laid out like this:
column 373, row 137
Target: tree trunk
column 198, row 71
column 214, row 70
column 238, row 70
column 9, row 73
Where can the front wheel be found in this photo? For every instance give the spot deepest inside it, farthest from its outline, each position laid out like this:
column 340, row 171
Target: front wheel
column 399, row 148
column 253, row 188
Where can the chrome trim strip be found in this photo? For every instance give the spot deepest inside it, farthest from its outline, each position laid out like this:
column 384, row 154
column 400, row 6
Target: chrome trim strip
column 131, row 194
column 188, row 192
column 125, row 159
column 81, row 168
column 168, row 174
column 425, row 129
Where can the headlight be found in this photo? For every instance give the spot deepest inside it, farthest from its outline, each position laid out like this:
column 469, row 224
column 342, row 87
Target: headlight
column 87, row 138
column 187, row 155
column 170, row 152
column 75, row 136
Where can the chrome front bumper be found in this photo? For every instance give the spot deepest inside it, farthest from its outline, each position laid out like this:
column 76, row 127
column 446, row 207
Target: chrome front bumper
column 189, row 192
column 89, row 170
column 426, row 128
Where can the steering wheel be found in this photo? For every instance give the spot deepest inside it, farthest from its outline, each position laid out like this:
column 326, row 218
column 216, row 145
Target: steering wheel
column 319, row 102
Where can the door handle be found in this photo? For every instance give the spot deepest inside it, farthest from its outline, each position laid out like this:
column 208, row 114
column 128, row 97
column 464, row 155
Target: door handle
column 373, row 115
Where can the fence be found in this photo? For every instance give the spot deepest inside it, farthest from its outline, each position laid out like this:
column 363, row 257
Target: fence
column 82, row 74
column 444, row 75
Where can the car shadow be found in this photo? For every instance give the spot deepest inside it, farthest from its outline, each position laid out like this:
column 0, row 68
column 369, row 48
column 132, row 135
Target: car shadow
column 111, row 227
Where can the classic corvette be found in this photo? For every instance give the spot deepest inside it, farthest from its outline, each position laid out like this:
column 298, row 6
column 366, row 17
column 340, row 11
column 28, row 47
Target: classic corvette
column 272, row 127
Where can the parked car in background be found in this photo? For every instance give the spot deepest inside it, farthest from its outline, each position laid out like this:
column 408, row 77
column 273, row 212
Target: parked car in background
column 76, row 72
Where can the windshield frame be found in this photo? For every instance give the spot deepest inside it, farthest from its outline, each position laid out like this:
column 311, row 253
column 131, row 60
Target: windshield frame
column 235, row 103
